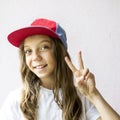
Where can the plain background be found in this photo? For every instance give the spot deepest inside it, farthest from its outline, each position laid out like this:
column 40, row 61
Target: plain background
column 92, row 26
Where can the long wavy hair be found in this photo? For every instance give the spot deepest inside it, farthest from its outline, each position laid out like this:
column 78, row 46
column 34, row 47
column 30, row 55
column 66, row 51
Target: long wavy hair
column 70, row 103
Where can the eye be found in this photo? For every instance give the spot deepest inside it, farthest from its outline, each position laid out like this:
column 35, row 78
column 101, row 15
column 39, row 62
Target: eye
column 28, row 52
column 44, row 47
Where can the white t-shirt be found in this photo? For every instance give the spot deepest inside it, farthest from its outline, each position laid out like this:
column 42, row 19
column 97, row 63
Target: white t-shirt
column 48, row 108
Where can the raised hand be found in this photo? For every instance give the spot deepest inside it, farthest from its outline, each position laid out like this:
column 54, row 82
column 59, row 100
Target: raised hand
column 85, row 80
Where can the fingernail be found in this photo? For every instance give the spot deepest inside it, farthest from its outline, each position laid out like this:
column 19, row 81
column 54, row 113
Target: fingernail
column 82, row 78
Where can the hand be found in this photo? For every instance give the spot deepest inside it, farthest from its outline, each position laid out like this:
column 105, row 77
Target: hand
column 85, row 80
column 86, row 85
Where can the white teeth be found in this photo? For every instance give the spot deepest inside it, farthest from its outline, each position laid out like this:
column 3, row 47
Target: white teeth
column 40, row 67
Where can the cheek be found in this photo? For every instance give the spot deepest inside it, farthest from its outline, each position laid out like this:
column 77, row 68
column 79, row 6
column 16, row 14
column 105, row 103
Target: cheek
column 27, row 60
column 52, row 60
column 50, row 57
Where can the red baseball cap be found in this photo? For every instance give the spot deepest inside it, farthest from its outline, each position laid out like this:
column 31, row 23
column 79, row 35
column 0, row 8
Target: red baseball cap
column 39, row 26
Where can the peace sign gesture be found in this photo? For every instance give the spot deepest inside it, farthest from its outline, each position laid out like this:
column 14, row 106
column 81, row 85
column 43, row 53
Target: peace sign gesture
column 84, row 78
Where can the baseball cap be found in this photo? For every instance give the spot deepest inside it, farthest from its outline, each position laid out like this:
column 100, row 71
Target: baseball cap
column 39, row 26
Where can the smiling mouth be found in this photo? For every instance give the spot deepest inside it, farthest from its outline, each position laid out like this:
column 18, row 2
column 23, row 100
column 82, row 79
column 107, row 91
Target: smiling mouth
column 40, row 66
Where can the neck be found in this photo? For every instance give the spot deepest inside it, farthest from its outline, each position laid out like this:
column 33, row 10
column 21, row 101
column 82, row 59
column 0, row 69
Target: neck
column 47, row 83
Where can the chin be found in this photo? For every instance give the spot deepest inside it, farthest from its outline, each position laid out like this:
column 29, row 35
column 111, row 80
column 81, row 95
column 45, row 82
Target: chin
column 41, row 76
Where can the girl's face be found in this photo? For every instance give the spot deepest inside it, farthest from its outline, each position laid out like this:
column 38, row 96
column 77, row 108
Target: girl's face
column 39, row 56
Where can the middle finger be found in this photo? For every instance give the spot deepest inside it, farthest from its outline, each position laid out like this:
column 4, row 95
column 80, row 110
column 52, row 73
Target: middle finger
column 80, row 60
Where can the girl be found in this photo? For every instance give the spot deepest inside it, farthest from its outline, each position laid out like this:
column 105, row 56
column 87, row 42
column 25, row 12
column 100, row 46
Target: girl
column 48, row 90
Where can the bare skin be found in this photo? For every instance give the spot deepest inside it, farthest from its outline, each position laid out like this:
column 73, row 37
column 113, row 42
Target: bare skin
column 85, row 81
column 40, row 59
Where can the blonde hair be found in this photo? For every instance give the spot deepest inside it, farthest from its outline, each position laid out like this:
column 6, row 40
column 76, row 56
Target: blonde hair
column 70, row 104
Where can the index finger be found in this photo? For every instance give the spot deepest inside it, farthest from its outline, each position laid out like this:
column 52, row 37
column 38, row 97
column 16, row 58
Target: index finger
column 69, row 63
column 80, row 60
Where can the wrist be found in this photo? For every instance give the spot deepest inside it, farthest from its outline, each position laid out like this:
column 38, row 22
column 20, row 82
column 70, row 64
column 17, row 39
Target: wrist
column 94, row 96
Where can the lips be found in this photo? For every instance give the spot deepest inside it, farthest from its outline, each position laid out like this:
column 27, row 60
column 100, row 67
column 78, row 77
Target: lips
column 40, row 66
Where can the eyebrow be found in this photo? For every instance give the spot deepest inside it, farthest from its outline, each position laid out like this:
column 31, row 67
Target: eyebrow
column 42, row 41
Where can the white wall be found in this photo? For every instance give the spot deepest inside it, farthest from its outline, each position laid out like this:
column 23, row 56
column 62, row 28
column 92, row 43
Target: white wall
column 92, row 26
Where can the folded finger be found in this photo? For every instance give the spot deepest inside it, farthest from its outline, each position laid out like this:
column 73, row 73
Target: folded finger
column 85, row 72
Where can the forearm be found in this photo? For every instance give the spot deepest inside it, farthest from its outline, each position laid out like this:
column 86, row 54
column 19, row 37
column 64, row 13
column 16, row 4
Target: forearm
column 105, row 110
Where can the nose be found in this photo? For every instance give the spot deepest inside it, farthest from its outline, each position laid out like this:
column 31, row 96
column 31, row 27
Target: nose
column 36, row 56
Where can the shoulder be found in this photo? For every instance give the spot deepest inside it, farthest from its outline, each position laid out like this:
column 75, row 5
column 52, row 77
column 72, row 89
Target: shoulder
column 83, row 99
column 89, row 110
column 11, row 106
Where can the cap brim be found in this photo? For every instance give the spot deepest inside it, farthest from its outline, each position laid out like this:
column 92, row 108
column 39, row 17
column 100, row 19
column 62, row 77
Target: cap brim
column 16, row 37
